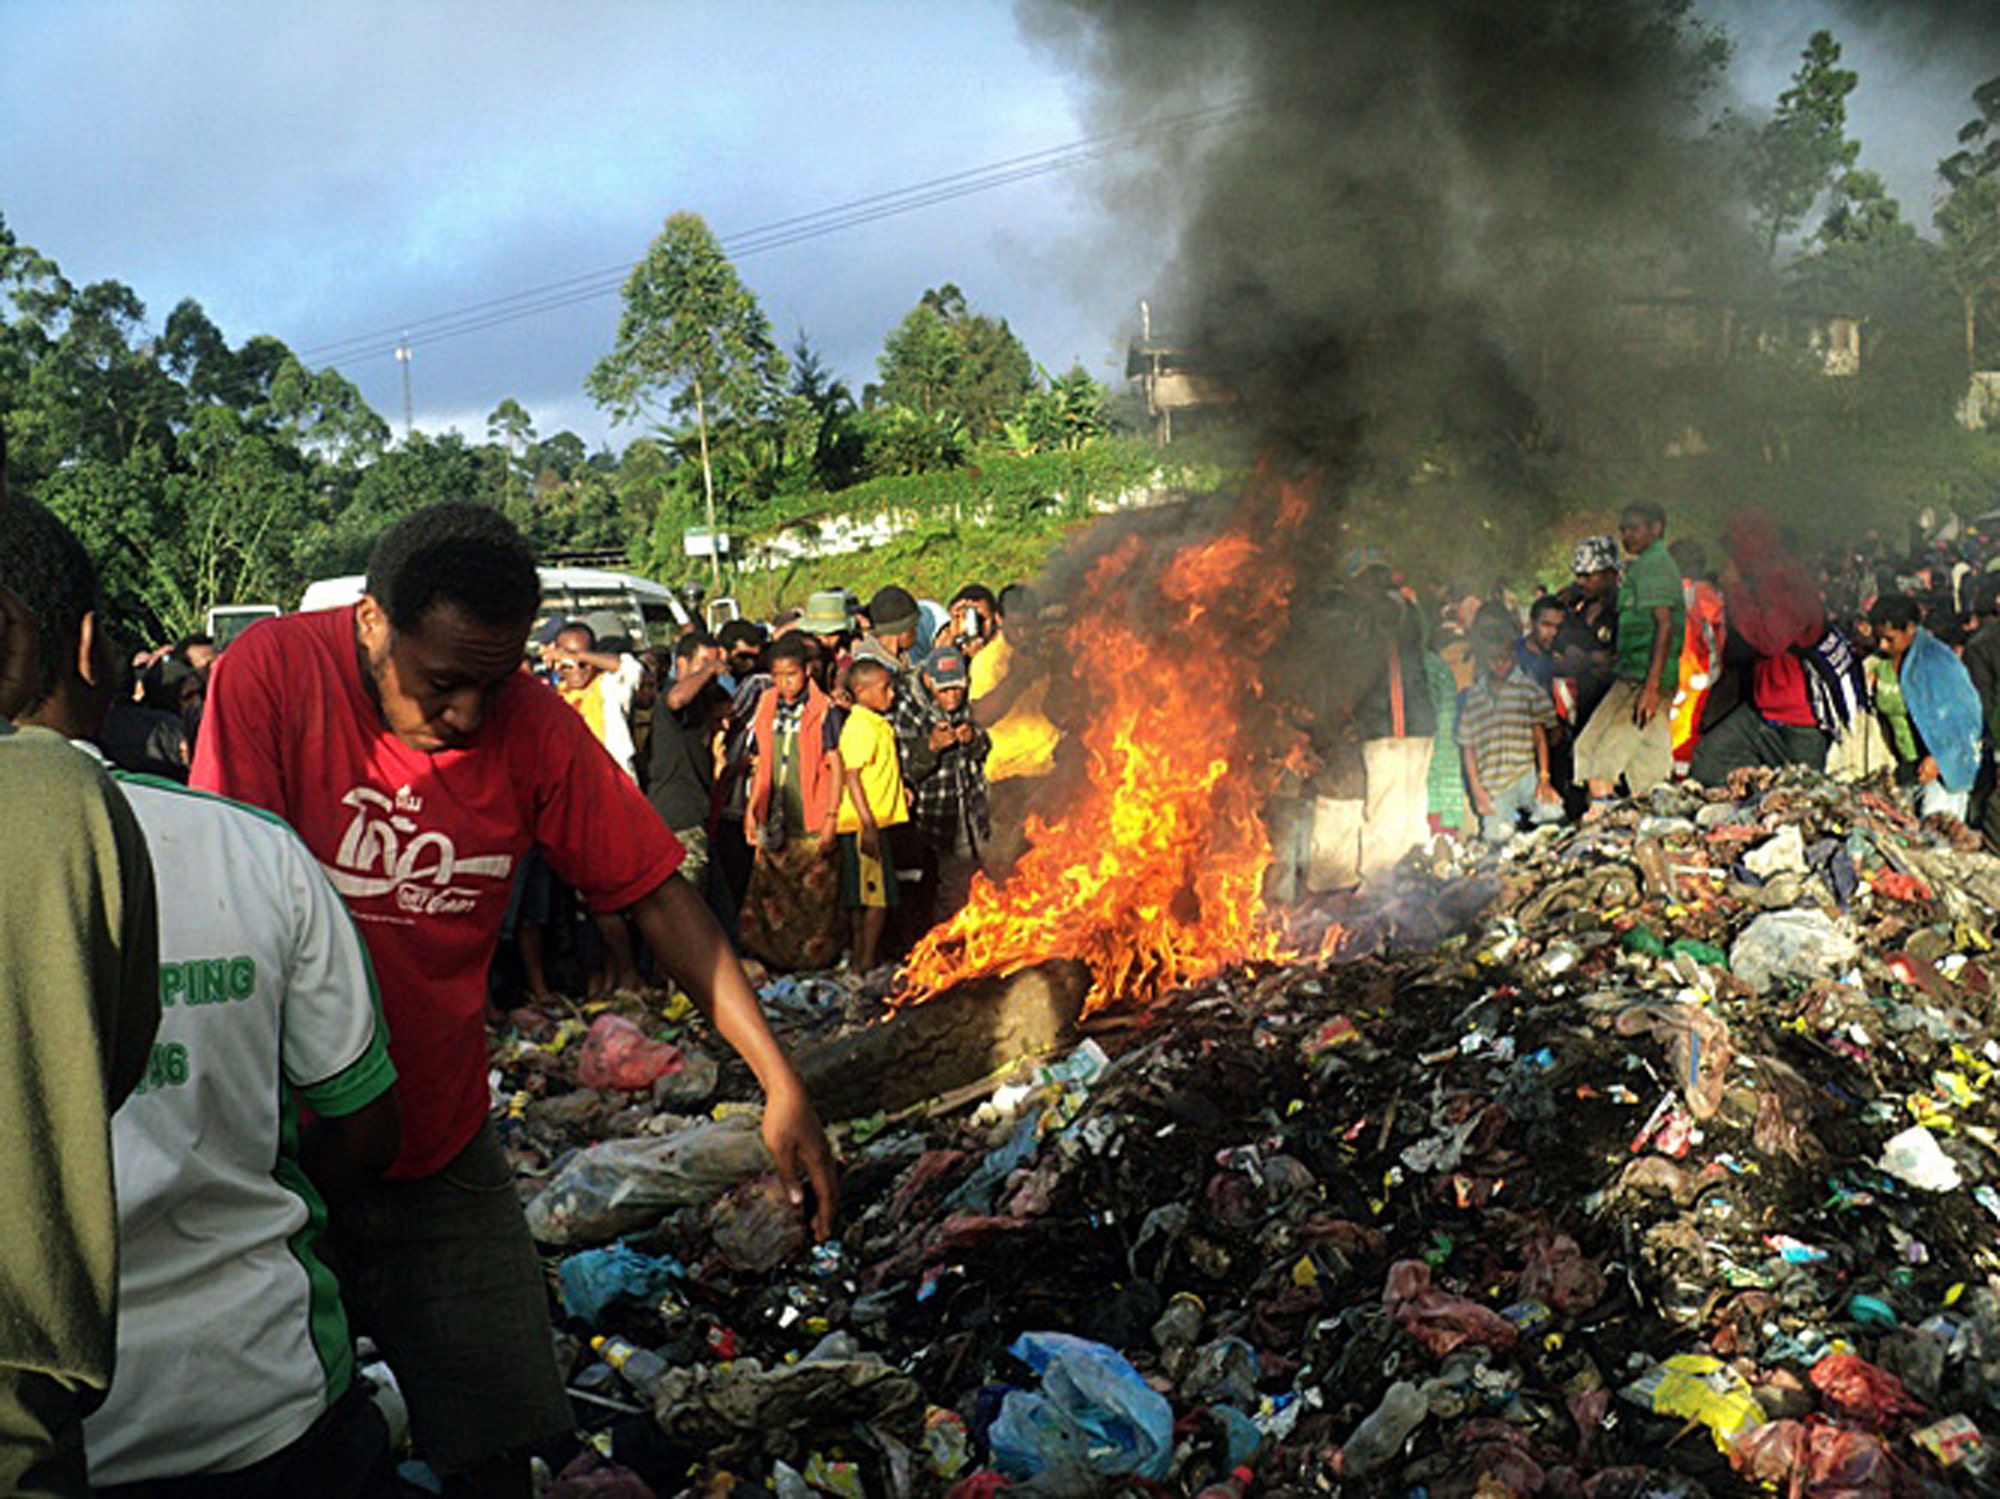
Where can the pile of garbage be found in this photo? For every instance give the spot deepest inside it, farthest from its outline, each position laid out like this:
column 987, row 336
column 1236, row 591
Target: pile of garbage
column 1672, row 1170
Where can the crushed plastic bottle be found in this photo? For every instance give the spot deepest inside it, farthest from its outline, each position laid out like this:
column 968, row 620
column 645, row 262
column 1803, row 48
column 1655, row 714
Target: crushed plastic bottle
column 1381, row 1436
column 641, row 1368
column 1178, row 1330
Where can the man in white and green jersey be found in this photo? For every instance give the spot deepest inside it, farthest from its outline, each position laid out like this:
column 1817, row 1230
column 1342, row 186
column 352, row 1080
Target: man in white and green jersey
column 234, row 1364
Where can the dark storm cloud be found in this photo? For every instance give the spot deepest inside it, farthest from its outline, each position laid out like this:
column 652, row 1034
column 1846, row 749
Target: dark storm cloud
column 1429, row 207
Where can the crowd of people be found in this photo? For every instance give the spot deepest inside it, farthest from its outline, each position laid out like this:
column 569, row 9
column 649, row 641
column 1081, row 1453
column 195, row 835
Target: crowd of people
column 264, row 1128
column 276, row 893
column 834, row 774
column 1459, row 713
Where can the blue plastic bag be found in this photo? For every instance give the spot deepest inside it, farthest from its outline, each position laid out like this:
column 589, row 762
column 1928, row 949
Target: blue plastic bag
column 1092, row 1414
column 592, row 1280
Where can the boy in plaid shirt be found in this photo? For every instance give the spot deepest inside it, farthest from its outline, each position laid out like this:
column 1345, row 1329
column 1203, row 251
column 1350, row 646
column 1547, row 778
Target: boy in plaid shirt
column 944, row 770
column 1503, row 736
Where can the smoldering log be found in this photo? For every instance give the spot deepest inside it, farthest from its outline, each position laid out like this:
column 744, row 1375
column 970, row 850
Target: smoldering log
column 969, row 1032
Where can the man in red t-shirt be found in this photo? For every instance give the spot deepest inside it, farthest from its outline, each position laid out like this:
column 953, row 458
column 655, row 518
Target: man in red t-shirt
column 402, row 740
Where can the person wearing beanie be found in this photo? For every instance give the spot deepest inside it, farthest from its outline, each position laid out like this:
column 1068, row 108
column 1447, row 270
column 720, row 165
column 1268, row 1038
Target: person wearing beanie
column 892, row 631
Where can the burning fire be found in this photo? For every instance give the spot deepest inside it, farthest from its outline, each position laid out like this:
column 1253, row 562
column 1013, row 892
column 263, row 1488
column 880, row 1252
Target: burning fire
column 1153, row 875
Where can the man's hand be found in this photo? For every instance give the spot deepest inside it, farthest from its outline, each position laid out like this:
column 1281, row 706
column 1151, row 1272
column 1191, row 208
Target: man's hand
column 798, row 1143
column 1546, row 793
column 1482, row 803
column 688, row 945
column 943, row 737
column 870, row 839
column 963, row 733
column 1648, row 705
column 1927, row 769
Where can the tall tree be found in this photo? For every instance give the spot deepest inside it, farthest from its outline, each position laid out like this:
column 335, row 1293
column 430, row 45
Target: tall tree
column 1968, row 220
column 837, row 445
column 691, row 336
column 1803, row 149
column 944, row 360
column 509, row 424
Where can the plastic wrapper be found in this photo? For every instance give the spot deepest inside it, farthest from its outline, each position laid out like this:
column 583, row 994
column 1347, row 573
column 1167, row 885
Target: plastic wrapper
column 1093, row 1416
column 1799, row 945
column 621, row 1058
column 757, row 1226
column 1815, row 1458
column 1697, row 1387
column 1437, row 1319
column 1915, row 1157
column 1859, row 1391
column 621, row 1185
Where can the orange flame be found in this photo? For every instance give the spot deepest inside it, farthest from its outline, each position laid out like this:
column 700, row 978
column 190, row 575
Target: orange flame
column 1153, row 873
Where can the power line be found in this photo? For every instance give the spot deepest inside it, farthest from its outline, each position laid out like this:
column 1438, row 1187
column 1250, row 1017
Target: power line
column 494, row 312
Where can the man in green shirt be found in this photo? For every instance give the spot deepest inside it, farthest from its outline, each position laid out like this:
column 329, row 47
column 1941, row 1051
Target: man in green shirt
column 79, row 1003
column 1630, row 735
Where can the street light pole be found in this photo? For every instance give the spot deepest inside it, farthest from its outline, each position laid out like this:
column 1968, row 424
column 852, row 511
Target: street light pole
column 403, row 358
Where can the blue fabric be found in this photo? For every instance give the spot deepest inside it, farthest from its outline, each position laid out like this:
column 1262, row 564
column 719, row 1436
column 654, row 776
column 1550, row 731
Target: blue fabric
column 1944, row 705
column 593, row 1280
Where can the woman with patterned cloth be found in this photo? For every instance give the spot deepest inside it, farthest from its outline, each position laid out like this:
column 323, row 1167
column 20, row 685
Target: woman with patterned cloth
column 791, row 911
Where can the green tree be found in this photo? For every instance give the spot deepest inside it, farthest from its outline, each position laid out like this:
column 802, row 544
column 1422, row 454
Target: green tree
column 838, row 450
column 943, row 359
column 1872, row 266
column 1803, row 149
column 510, row 425
column 691, row 336
column 1862, row 210
column 1063, row 414
column 1968, row 220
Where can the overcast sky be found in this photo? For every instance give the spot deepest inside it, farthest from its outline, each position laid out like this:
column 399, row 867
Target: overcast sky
column 331, row 173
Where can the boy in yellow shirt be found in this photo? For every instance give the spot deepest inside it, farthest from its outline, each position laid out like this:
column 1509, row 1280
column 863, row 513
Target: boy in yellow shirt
column 871, row 800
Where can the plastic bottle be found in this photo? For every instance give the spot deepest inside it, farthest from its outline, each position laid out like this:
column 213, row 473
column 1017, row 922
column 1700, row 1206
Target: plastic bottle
column 640, row 1368
column 1177, row 1330
column 1382, row 1435
column 1235, row 1486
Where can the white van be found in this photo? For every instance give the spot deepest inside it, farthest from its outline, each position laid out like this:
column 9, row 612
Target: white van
column 650, row 612
column 226, row 621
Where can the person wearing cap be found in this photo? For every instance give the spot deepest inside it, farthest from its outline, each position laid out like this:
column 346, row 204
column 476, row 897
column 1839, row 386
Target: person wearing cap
column 943, row 755
column 1589, row 630
column 830, row 623
column 1629, row 735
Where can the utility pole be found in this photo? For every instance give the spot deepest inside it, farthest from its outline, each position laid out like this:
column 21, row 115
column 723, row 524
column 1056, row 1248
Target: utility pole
column 403, row 358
